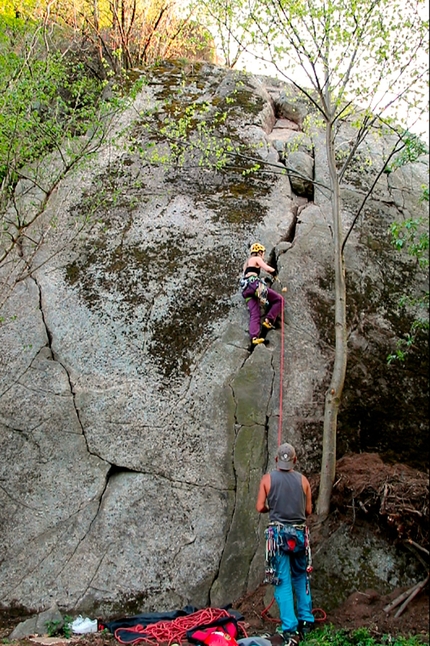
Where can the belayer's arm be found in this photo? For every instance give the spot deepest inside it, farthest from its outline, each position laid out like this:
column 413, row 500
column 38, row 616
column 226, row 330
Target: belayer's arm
column 308, row 493
column 261, row 504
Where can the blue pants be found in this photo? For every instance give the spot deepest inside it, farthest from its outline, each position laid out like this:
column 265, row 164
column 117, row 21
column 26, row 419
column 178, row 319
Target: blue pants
column 291, row 570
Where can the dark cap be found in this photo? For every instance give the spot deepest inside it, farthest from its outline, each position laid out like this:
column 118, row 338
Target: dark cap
column 286, row 456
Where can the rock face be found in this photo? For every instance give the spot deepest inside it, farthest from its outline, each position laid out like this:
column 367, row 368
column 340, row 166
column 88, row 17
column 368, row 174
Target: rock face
column 135, row 422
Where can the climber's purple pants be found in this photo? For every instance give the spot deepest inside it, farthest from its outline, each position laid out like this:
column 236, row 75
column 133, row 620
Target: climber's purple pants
column 253, row 304
column 254, row 317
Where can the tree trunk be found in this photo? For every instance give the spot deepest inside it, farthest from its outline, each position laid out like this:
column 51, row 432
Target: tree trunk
column 96, row 21
column 334, row 393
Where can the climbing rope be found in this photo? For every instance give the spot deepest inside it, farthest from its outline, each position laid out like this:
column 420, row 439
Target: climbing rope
column 315, row 611
column 171, row 631
column 281, row 375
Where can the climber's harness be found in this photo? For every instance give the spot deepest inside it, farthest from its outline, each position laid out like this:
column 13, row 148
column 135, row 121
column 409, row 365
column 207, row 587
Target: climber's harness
column 260, row 291
column 286, row 538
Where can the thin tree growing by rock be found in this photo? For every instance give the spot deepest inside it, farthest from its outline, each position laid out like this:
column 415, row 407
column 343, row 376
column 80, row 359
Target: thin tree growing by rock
column 364, row 62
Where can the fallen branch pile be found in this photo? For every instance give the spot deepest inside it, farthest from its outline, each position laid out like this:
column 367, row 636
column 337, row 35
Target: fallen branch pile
column 406, row 597
column 396, row 496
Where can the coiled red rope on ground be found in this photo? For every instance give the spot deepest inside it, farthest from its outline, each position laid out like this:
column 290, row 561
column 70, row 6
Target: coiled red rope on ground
column 175, row 630
column 321, row 611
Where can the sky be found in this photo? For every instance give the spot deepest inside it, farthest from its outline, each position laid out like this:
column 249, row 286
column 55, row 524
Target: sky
column 248, row 63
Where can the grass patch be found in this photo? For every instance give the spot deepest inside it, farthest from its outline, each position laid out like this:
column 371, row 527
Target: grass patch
column 329, row 636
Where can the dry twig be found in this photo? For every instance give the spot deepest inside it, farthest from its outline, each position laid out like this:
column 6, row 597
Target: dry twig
column 420, row 586
column 398, row 600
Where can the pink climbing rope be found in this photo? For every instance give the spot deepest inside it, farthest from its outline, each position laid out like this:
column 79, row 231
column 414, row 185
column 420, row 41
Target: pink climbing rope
column 281, row 375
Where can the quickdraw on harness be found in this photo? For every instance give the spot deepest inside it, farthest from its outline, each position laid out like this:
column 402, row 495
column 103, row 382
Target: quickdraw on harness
column 309, row 566
column 261, row 290
column 272, row 549
column 279, row 536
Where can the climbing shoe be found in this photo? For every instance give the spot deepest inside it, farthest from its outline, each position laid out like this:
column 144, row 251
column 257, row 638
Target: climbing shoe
column 268, row 324
column 257, row 340
column 290, row 639
column 305, row 627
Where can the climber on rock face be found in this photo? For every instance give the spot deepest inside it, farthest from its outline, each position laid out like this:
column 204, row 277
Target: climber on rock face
column 256, row 293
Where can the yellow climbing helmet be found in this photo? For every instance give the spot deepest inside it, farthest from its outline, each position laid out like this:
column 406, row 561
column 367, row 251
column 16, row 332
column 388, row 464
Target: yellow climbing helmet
column 257, row 247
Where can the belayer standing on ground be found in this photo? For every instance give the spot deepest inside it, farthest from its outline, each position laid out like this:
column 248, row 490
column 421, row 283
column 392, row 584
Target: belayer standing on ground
column 286, row 495
column 255, row 292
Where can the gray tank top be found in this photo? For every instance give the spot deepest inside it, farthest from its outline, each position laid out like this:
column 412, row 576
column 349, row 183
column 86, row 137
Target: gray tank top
column 287, row 500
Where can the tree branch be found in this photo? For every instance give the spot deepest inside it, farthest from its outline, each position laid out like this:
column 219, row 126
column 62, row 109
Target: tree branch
column 369, row 192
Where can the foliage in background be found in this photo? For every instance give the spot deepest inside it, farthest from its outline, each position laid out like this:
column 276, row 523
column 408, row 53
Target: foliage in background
column 191, row 134
column 328, row 636
column 60, row 627
column 122, row 34
column 413, row 148
column 412, row 237
column 44, row 98
column 230, row 21
column 53, row 117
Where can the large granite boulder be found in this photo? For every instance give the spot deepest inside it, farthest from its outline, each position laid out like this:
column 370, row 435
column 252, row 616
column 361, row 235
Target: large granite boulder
column 135, row 421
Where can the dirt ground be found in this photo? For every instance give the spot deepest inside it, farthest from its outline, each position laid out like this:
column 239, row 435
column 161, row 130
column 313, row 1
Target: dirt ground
column 392, row 499
column 362, row 609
